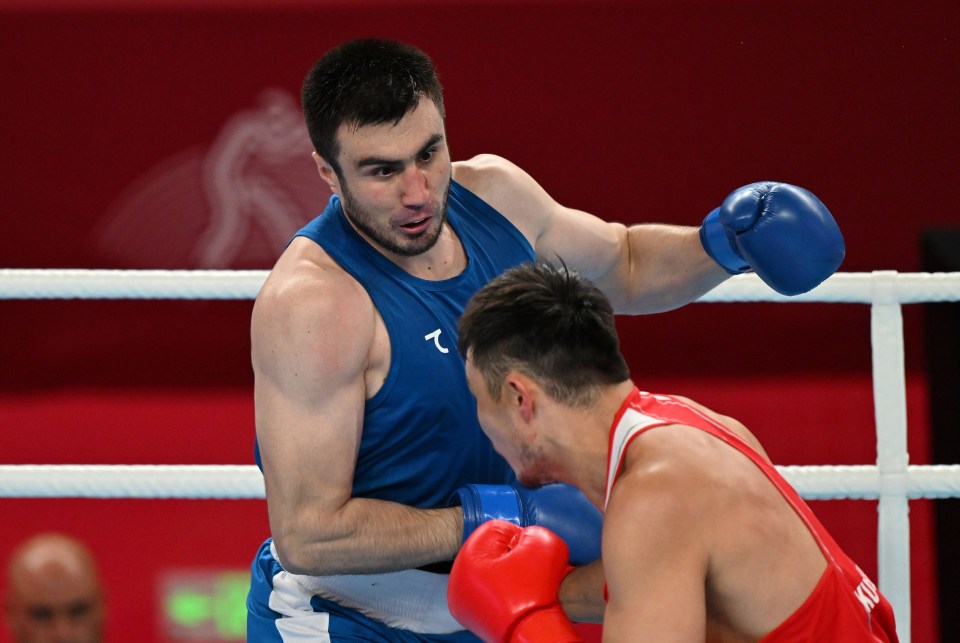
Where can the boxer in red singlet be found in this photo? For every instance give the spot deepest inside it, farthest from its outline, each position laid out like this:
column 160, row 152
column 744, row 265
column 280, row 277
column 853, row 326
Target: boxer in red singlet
column 702, row 541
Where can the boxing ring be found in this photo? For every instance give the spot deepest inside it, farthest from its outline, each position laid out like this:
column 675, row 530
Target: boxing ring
column 893, row 481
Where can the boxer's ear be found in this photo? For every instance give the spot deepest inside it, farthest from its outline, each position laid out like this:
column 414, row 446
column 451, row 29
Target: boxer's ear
column 522, row 395
column 327, row 173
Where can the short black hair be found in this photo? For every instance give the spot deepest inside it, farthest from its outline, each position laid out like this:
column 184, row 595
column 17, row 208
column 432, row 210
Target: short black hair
column 548, row 322
column 365, row 82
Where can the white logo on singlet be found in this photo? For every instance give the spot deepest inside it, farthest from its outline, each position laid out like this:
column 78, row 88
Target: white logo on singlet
column 867, row 593
column 435, row 336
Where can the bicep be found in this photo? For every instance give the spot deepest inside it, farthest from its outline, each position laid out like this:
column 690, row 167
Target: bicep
column 307, row 442
column 309, row 396
column 642, row 268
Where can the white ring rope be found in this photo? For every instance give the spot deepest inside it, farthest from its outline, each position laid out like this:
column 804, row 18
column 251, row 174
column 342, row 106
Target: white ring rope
column 28, row 283
column 130, row 284
column 207, row 481
column 892, row 481
column 243, row 482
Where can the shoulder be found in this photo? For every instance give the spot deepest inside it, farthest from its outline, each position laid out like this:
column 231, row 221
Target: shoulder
column 305, row 278
column 508, row 189
column 487, row 174
column 731, row 424
column 665, row 479
column 309, row 301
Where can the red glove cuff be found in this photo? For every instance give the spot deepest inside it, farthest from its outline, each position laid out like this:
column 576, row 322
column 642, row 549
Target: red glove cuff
column 545, row 626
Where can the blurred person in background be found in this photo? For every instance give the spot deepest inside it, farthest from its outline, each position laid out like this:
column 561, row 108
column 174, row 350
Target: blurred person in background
column 53, row 592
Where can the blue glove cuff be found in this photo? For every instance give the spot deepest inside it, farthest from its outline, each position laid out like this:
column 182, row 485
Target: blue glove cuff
column 721, row 245
column 483, row 502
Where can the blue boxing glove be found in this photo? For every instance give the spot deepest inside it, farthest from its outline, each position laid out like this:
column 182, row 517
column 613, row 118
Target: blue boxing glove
column 559, row 507
column 781, row 232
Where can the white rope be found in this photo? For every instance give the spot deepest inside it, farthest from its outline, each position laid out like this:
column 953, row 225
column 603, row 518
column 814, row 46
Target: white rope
column 844, row 287
column 28, row 283
column 130, row 284
column 130, row 481
column 237, row 482
column 864, row 481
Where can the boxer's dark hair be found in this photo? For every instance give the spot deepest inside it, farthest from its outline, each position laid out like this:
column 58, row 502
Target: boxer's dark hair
column 364, row 82
column 549, row 323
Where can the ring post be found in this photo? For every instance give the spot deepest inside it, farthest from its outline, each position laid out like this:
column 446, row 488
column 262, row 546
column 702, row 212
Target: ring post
column 890, row 407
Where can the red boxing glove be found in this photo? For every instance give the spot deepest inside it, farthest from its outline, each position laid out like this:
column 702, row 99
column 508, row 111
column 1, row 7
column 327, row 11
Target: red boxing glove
column 504, row 585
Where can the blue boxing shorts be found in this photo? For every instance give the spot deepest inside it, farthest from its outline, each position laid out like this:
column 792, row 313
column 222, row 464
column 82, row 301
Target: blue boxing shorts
column 406, row 606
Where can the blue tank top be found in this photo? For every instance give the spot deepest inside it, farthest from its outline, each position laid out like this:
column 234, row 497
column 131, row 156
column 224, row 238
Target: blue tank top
column 421, row 437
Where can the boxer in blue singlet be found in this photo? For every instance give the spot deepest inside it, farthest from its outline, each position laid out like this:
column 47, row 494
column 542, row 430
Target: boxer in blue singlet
column 374, row 463
column 411, row 450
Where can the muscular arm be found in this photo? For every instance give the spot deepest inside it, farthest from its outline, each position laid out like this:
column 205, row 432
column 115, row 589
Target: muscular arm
column 311, row 335
column 581, row 594
column 656, row 559
column 643, row 268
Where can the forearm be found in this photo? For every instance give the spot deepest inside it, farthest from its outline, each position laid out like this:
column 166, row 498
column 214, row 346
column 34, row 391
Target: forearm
column 666, row 268
column 368, row 536
column 581, row 594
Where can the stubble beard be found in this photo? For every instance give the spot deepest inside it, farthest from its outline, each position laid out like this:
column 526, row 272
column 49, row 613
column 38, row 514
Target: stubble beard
column 382, row 235
column 534, row 473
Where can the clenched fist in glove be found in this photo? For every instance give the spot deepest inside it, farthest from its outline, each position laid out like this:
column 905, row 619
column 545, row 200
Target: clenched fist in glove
column 561, row 508
column 505, row 582
column 780, row 231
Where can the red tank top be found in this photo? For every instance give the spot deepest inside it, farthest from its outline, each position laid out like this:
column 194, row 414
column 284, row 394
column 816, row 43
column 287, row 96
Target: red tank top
column 845, row 605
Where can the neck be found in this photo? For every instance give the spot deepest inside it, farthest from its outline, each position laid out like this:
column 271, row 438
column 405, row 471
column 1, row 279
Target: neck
column 585, row 451
column 444, row 260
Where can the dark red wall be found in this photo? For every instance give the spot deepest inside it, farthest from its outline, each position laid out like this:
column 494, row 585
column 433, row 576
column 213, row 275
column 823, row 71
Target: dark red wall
column 636, row 111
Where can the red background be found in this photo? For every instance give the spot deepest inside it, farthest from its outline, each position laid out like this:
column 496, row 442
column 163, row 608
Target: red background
column 636, row 111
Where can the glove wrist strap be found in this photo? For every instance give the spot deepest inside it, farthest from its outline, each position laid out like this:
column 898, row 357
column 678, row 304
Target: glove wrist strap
column 483, row 502
column 721, row 244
